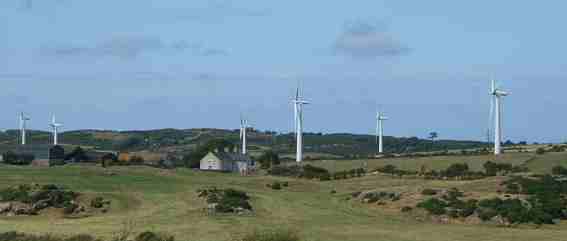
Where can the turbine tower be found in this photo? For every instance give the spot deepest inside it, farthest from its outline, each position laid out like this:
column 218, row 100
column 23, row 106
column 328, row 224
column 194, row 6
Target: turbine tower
column 23, row 120
column 55, row 126
column 380, row 118
column 243, row 129
column 496, row 108
column 298, row 103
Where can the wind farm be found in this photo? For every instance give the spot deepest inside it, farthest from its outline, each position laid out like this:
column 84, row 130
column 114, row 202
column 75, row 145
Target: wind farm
column 282, row 121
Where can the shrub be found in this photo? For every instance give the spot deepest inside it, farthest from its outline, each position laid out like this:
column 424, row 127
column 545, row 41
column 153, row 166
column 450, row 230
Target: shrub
column 276, row 186
column 227, row 200
column 268, row 159
column 540, row 151
column 559, row 170
column 151, row 236
column 99, row 202
column 325, row 177
column 434, row 206
column 18, row 159
column 82, row 237
column 406, row 209
column 276, row 235
column 429, row 192
column 486, row 214
column 456, row 170
column 310, row 172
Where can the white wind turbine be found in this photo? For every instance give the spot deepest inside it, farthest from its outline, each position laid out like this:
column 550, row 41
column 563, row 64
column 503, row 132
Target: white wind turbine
column 243, row 133
column 380, row 118
column 496, row 110
column 55, row 126
column 298, row 103
column 23, row 121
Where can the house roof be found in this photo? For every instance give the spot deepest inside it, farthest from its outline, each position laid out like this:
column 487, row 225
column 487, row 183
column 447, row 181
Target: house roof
column 233, row 157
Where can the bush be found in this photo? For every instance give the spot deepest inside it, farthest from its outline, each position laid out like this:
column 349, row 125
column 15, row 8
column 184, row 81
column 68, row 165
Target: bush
column 151, row 236
column 456, row 170
column 22, row 159
column 311, row 172
column 540, row 151
column 145, row 236
column 325, row 177
column 276, row 235
column 486, row 214
column 434, row 206
column 429, row 192
column 268, row 159
column 99, row 202
column 559, row 170
column 276, row 186
column 14, row 236
column 227, row 200
column 406, row 209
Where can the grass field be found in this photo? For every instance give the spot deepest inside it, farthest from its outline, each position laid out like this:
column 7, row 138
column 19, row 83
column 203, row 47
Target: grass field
column 539, row 163
column 159, row 200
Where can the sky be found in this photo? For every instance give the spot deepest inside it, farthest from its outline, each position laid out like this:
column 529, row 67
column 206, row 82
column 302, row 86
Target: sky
column 150, row 64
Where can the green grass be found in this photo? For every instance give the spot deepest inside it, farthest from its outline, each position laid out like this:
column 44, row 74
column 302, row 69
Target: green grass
column 544, row 163
column 158, row 200
column 431, row 163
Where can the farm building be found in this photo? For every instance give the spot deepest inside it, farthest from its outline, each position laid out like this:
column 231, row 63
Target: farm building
column 226, row 161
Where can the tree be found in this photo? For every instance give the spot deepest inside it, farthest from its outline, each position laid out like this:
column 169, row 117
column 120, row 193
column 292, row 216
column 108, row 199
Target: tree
column 77, row 155
column 56, row 153
column 10, row 157
column 129, row 143
column 107, row 159
column 268, row 159
column 433, row 135
column 136, row 160
column 18, row 159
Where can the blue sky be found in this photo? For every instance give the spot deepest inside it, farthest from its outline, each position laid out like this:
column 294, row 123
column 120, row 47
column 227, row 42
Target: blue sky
column 146, row 64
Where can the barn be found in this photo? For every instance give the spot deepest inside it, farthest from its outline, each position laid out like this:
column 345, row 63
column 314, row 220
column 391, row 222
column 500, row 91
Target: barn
column 228, row 162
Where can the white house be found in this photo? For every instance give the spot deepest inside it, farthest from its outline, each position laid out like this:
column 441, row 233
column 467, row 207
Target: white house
column 229, row 162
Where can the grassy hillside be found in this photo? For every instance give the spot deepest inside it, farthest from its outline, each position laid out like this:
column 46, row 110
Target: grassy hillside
column 159, row 200
column 433, row 163
column 182, row 141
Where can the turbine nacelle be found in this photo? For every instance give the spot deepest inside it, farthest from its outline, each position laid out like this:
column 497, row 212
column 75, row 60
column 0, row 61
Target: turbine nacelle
column 54, row 123
column 496, row 91
column 500, row 93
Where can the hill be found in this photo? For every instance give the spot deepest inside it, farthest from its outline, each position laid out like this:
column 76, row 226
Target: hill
column 334, row 145
column 166, row 201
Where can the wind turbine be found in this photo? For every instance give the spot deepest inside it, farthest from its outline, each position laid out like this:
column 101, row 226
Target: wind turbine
column 380, row 118
column 23, row 121
column 243, row 129
column 298, row 103
column 496, row 109
column 55, row 126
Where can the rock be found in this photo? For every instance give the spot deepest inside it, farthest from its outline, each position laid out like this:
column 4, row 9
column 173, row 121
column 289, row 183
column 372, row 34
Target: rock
column 499, row 220
column 5, row 207
column 23, row 209
column 212, row 205
column 473, row 219
column 40, row 205
column 242, row 211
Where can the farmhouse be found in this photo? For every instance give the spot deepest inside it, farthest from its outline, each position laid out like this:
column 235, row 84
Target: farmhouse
column 226, row 161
